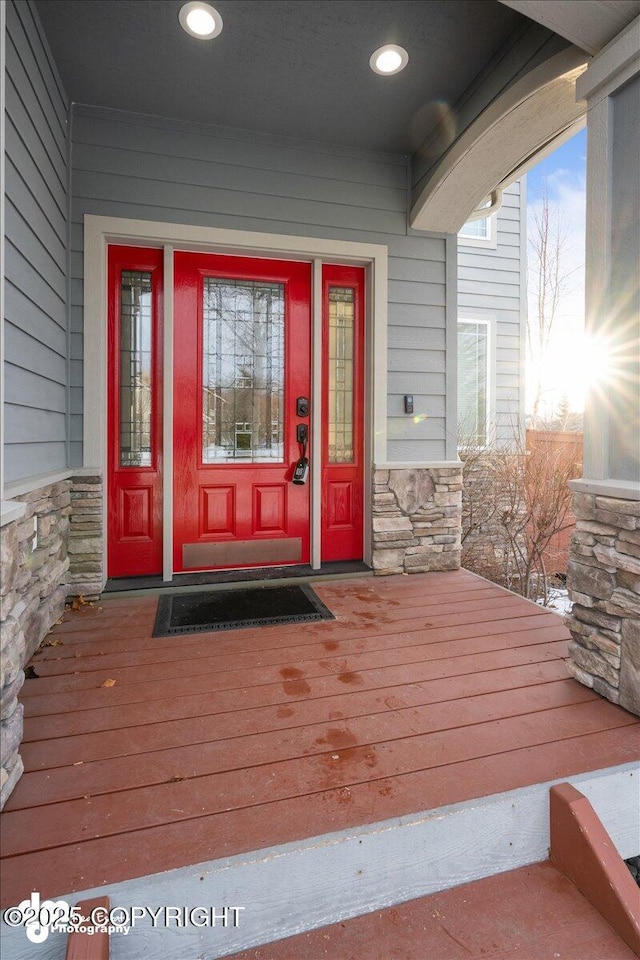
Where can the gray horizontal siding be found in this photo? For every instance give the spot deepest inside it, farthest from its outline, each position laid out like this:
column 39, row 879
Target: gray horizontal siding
column 36, row 255
column 151, row 169
column 491, row 282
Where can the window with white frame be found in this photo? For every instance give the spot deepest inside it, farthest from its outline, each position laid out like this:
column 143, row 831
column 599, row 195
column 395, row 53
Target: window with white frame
column 477, row 229
column 479, row 233
column 473, row 382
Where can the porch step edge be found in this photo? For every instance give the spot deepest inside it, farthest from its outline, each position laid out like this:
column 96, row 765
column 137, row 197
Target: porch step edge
column 583, row 850
column 298, row 886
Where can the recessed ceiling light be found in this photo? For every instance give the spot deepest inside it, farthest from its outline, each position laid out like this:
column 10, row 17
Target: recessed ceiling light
column 200, row 20
column 389, row 59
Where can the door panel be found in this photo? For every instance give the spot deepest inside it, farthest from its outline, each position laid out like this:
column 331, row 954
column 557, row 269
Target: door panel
column 241, row 360
column 343, row 413
column 134, row 458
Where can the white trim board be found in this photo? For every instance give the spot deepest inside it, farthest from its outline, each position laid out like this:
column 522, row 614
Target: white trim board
column 612, row 66
column 20, row 487
column 11, row 510
column 607, row 487
column 300, row 886
column 167, row 418
column 421, row 465
column 100, row 231
column 3, row 74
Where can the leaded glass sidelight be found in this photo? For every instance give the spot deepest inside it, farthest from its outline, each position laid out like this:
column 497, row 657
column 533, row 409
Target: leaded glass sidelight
column 243, row 371
column 341, row 369
column 135, row 369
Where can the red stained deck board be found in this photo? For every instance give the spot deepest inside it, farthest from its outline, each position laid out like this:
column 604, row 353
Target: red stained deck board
column 534, row 913
column 61, row 666
column 97, row 862
column 140, row 612
column 198, row 792
column 238, row 653
column 119, row 762
column 281, row 712
column 173, row 647
column 170, row 691
column 302, row 683
column 377, row 713
column 370, row 654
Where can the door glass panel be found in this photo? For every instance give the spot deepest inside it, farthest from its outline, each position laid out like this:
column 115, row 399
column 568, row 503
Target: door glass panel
column 135, row 369
column 341, row 360
column 243, row 371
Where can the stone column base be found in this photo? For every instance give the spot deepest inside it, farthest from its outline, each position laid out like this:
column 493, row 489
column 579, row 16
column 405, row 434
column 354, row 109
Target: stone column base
column 604, row 584
column 86, row 566
column 417, row 520
column 33, row 572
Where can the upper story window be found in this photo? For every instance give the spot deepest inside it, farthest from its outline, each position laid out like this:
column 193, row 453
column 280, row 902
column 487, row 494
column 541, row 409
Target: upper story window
column 479, row 233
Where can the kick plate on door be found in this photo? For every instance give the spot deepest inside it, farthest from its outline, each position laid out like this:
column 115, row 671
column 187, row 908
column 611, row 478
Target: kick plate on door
column 241, row 552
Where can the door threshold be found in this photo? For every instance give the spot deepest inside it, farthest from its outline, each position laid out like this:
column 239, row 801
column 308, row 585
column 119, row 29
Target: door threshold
column 188, row 582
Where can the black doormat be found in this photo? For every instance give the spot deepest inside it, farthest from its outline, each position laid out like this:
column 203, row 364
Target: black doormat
column 234, row 609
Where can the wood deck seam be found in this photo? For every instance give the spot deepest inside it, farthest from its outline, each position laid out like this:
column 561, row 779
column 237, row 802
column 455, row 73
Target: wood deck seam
column 352, row 782
column 589, row 695
column 289, row 699
column 286, row 661
column 306, row 676
column 264, row 803
column 264, row 651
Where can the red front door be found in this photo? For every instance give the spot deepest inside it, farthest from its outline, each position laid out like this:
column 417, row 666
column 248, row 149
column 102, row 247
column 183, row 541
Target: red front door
column 242, row 389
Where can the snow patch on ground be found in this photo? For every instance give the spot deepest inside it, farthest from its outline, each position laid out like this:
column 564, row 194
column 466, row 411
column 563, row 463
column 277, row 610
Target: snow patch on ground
column 558, row 600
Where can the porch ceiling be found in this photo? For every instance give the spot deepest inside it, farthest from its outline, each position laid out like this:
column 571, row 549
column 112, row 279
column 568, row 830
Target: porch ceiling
column 297, row 69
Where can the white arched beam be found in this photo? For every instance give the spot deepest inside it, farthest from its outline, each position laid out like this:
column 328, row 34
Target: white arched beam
column 495, row 148
column 590, row 24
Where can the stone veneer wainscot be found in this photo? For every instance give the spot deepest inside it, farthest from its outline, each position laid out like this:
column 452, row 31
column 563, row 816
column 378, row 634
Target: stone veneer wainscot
column 33, row 573
column 604, row 585
column 416, row 519
column 86, row 546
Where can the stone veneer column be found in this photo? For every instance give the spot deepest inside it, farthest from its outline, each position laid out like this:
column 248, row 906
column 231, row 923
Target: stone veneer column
column 33, row 571
column 604, row 584
column 604, row 568
column 417, row 519
column 86, row 571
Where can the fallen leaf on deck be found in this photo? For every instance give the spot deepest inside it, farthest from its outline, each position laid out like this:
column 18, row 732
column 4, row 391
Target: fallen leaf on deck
column 78, row 763
column 108, row 683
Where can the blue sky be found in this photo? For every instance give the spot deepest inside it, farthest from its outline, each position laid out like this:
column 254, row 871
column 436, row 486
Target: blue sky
column 569, row 160
column 562, row 369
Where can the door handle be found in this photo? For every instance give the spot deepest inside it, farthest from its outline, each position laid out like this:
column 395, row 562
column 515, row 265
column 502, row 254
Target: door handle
column 301, row 469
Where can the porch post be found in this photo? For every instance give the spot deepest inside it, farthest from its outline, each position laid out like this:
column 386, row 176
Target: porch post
column 604, row 567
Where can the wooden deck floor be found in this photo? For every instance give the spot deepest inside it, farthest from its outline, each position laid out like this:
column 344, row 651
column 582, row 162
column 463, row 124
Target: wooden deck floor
column 534, row 913
column 425, row 690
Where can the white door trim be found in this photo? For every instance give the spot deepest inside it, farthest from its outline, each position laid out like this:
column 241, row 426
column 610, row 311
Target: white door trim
column 167, row 415
column 100, row 231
